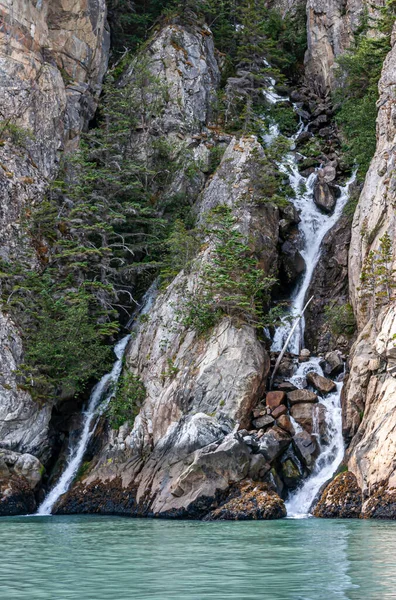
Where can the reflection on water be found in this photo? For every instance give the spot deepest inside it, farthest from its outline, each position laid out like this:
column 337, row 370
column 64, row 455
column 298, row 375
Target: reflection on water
column 109, row 558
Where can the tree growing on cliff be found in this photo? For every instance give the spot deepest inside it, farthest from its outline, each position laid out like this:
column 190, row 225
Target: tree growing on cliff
column 377, row 278
column 100, row 228
column 232, row 283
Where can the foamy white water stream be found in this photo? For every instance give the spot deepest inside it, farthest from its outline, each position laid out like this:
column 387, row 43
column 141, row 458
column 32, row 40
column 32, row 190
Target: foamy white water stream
column 332, row 451
column 313, row 227
column 100, row 397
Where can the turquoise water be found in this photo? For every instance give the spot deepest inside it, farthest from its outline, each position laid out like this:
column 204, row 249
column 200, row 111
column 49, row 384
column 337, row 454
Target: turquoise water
column 110, row 558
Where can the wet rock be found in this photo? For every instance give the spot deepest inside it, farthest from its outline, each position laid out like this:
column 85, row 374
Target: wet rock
column 303, row 138
column 321, row 384
column 275, row 399
column 341, row 499
column 279, row 411
column 285, row 423
column 306, row 448
column 292, row 262
column 310, row 416
column 304, row 355
column 273, row 443
column 287, row 367
column 290, row 213
column 328, row 174
column 323, row 196
column 298, row 396
column 258, row 467
column 334, row 365
column 251, row 501
column 286, row 386
column 264, row 421
column 290, row 469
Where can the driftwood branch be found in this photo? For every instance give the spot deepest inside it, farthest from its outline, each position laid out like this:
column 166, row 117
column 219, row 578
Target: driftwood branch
column 296, row 322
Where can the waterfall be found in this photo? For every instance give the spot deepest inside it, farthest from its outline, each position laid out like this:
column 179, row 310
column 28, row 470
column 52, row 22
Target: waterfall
column 100, row 397
column 330, row 455
column 313, row 227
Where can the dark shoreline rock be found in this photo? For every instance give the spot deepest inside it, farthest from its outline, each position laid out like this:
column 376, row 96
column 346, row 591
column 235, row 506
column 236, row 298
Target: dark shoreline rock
column 341, row 499
column 252, row 501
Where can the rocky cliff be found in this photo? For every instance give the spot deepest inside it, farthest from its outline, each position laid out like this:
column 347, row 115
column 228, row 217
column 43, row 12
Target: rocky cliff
column 207, row 440
column 53, row 58
column 370, row 391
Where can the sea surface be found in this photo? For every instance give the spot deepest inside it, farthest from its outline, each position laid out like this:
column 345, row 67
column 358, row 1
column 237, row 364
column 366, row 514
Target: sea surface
column 111, row 558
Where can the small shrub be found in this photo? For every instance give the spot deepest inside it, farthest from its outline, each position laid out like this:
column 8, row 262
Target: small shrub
column 340, row 318
column 127, row 400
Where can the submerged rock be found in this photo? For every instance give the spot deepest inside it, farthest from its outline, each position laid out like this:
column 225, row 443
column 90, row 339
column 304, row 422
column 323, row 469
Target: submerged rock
column 252, row 501
column 341, row 499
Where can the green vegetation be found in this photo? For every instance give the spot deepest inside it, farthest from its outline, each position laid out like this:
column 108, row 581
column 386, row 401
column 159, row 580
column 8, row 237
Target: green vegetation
column 127, row 400
column 340, row 318
column 231, row 283
column 183, row 246
column 111, row 223
column 99, row 237
column 359, row 71
column 377, row 278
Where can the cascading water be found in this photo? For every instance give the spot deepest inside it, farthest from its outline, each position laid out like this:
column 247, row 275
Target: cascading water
column 100, row 397
column 331, row 453
column 313, row 227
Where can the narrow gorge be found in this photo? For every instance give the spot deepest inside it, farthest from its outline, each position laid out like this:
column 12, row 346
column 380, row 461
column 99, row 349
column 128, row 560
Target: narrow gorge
column 178, row 183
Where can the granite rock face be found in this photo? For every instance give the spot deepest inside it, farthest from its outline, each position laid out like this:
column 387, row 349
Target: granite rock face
column 53, row 58
column 182, row 447
column 330, row 28
column 183, row 453
column 370, row 392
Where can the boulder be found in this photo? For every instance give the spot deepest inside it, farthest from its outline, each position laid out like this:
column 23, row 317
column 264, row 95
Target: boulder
column 259, row 412
column 306, row 448
column 323, row 196
column 250, row 501
column 273, row 443
column 264, row 421
column 284, row 423
column 258, row 467
column 298, row 396
column 16, row 496
column 286, row 386
column 321, row 384
column 304, row 355
column 286, row 367
column 290, row 469
column 279, row 411
column 292, row 263
column 334, row 365
column 310, row 416
column 275, row 399
column 341, row 499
